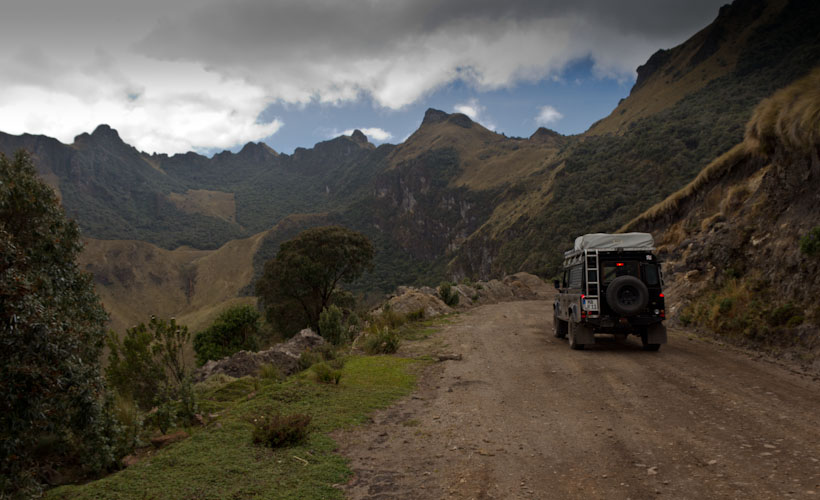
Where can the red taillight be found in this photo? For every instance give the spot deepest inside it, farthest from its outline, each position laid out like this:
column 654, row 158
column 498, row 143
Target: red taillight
column 619, row 264
column 660, row 295
column 583, row 314
column 663, row 314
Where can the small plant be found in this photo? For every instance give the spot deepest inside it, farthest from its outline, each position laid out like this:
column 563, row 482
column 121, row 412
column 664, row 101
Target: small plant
column 810, row 243
column 381, row 342
column 417, row 315
column 277, row 430
column 725, row 305
column 188, row 407
column 331, row 326
column 445, row 291
column 326, row 374
column 309, row 358
column 782, row 314
column 270, row 372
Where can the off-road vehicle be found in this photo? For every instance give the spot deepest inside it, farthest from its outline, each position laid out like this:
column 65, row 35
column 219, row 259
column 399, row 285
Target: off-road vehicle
column 611, row 283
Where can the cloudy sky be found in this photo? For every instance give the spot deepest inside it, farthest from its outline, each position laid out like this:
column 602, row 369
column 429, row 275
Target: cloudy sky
column 206, row 75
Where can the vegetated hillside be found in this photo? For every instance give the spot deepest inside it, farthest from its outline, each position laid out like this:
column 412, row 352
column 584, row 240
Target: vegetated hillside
column 136, row 279
column 599, row 181
column 116, row 192
column 737, row 240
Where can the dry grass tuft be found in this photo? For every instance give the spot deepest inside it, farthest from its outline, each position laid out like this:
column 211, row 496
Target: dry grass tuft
column 790, row 119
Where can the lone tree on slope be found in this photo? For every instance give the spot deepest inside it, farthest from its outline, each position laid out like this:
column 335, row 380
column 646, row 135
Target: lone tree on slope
column 302, row 279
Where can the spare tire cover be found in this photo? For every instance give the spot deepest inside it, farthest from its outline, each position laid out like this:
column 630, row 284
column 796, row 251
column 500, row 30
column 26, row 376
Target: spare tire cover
column 627, row 295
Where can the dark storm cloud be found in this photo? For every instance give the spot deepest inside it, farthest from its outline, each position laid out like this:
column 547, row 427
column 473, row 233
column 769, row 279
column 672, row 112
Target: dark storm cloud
column 397, row 51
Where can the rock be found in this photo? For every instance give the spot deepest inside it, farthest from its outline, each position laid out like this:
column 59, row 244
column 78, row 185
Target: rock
column 449, row 357
column 414, row 300
column 166, row 439
column 284, row 356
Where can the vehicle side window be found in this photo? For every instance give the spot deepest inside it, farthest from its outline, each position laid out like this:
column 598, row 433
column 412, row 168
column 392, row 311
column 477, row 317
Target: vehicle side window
column 576, row 274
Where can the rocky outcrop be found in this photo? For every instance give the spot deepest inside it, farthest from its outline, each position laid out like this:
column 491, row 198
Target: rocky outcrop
column 284, row 356
column 520, row 286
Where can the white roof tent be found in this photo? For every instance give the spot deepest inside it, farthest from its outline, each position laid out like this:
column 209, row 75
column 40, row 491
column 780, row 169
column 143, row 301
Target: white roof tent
column 604, row 241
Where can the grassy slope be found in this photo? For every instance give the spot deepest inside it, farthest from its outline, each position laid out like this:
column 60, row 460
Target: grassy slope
column 220, row 461
column 136, row 279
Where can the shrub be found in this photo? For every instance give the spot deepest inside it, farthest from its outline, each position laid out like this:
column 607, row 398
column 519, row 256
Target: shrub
column 326, row 374
column 782, row 314
column 270, row 371
column 278, row 430
column 417, row 315
column 331, row 326
column 140, row 362
column 810, row 243
column 725, row 305
column 447, row 294
column 235, row 329
column 381, row 342
column 309, row 358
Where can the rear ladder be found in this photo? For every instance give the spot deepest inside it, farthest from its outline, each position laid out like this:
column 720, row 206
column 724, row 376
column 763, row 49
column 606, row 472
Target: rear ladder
column 593, row 282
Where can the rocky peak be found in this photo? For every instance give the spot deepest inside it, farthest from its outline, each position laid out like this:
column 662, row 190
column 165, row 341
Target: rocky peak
column 432, row 116
column 359, row 137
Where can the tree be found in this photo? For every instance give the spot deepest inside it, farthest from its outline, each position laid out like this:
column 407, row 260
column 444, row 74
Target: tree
column 303, row 278
column 52, row 328
column 235, row 329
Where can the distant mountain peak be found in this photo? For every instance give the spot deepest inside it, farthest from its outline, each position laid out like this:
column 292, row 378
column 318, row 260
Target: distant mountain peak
column 102, row 134
column 545, row 135
column 359, row 136
column 432, row 116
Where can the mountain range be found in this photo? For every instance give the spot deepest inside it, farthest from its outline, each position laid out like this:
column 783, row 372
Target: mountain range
column 185, row 234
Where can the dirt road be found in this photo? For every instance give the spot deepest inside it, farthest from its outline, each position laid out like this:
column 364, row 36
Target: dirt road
column 523, row 416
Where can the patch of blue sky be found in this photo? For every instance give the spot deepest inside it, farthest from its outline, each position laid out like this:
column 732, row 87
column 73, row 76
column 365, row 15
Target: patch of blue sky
column 577, row 97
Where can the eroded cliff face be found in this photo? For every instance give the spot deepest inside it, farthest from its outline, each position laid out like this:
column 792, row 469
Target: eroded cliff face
column 731, row 240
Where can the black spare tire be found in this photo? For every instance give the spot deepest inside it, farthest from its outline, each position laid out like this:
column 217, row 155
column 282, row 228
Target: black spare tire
column 627, row 295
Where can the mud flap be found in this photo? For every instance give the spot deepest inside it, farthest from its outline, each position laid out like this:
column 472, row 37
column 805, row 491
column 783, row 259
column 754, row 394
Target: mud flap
column 583, row 334
column 656, row 334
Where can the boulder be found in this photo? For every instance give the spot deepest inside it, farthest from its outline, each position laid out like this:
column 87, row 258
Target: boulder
column 284, row 356
column 413, row 300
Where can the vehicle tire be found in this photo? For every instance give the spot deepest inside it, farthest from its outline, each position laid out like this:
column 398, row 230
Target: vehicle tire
column 646, row 345
column 573, row 344
column 627, row 295
column 559, row 327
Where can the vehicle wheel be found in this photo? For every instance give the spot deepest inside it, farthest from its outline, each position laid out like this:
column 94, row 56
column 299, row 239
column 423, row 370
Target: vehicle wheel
column 646, row 345
column 573, row 343
column 627, row 295
column 559, row 327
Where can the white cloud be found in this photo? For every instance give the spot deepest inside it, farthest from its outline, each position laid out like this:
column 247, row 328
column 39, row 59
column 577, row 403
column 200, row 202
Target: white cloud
column 373, row 133
column 473, row 109
column 547, row 115
column 173, row 75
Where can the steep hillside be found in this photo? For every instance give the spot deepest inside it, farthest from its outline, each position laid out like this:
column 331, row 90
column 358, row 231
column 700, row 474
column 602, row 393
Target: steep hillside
column 732, row 238
column 599, row 181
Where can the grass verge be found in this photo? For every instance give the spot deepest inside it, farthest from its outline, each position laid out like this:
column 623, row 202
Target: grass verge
column 220, row 461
